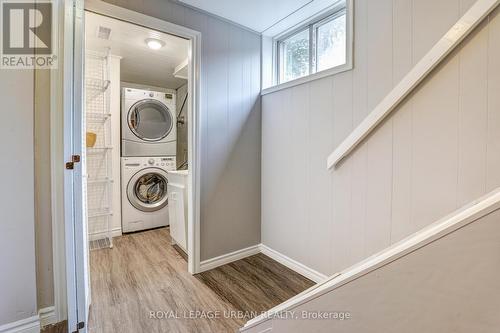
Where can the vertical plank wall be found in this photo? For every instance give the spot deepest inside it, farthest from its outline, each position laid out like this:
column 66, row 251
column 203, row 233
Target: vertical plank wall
column 231, row 121
column 437, row 152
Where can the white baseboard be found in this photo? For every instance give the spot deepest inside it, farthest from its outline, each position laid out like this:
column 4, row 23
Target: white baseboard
column 115, row 232
column 47, row 316
column 273, row 254
column 292, row 264
column 228, row 258
column 27, row 325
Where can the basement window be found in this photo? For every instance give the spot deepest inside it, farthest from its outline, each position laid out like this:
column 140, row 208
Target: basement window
column 310, row 50
column 295, row 56
column 330, row 42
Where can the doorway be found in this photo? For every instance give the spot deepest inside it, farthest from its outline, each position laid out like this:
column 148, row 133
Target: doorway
column 149, row 188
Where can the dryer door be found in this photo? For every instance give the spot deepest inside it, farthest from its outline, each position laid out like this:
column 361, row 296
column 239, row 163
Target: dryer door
column 147, row 190
column 150, row 120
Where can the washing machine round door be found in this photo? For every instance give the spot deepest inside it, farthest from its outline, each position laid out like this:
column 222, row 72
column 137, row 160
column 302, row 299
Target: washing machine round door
column 150, row 120
column 147, row 190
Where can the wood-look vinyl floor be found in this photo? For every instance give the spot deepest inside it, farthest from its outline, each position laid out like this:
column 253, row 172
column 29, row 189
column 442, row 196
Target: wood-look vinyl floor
column 61, row 327
column 143, row 273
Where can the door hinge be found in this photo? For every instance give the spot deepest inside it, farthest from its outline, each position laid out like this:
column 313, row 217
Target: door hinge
column 79, row 326
column 74, row 159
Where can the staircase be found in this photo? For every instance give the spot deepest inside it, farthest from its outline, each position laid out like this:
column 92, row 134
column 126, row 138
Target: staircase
column 444, row 278
column 413, row 285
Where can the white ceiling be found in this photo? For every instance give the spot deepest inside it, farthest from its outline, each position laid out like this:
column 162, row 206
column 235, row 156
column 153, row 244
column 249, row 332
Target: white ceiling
column 139, row 63
column 257, row 15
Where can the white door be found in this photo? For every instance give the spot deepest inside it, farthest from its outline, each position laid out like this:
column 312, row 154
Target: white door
column 77, row 264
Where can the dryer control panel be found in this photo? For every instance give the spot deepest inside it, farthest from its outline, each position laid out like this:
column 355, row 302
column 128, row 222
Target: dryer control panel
column 166, row 163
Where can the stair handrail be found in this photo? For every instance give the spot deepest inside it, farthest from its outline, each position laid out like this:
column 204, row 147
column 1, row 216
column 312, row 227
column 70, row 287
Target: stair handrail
column 460, row 30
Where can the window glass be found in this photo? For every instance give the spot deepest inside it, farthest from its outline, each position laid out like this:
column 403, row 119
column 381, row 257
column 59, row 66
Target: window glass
column 331, row 43
column 318, row 46
column 295, row 56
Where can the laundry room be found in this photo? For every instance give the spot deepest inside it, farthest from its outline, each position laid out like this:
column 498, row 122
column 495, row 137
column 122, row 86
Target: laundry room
column 136, row 138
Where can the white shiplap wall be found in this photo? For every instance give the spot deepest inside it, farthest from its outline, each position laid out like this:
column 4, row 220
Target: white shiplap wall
column 438, row 151
column 231, row 118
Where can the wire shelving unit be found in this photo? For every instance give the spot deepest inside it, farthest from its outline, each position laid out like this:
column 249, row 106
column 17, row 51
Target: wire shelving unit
column 99, row 157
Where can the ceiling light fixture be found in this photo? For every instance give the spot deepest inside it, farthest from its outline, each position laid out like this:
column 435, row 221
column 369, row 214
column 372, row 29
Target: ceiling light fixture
column 154, row 44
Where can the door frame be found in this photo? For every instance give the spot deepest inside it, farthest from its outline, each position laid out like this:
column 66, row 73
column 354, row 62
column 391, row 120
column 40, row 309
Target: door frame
column 62, row 108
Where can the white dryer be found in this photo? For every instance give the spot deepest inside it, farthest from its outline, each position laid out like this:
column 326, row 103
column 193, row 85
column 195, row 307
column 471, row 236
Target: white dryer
column 148, row 123
column 144, row 192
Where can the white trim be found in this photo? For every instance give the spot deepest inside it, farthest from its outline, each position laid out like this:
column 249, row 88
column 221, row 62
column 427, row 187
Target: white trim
column 224, row 259
column 447, row 225
column 430, row 61
column 47, row 316
column 274, row 87
column 115, row 232
column 307, row 13
column 266, row 250
column 67, row 138
column 79, row 213
column 294, row 265
column 308, row 78
column 27, row 325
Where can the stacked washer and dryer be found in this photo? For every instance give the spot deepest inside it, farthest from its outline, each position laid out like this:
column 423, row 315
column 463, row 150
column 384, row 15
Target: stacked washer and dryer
column 148, row 151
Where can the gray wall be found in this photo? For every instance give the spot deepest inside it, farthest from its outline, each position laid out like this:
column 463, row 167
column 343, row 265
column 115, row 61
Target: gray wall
column 450, row 285
column 17, row 227
column 438, row 151
column 231, row 128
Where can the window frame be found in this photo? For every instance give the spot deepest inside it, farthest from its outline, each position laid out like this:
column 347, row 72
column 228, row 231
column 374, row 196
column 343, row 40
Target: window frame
column 324, row 17
column 314, row 33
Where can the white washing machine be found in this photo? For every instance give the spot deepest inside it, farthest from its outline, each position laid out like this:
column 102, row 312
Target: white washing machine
column 149, row 123
column 144, row 192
